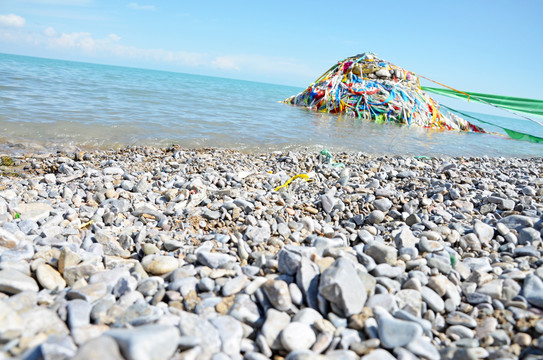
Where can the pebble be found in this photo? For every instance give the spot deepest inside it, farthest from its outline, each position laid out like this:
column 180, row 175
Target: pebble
column 393, row 332
column 159, row 264
column 297, row 336
column 178, row 253
column 14, row 282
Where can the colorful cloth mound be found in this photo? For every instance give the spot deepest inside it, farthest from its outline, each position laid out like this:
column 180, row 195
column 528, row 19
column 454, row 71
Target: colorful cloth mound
column 368, row 87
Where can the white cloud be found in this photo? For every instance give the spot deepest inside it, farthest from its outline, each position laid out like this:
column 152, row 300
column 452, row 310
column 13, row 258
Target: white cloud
column 50, row 32
column 12, row 20
column 264, row 65
column 226, row 63
column 59, row 2
column 137, row 6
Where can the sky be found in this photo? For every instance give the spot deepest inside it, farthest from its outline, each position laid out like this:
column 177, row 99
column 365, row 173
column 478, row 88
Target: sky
column 489, row 46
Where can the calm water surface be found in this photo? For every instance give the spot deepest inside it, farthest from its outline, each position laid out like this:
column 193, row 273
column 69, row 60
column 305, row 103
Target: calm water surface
column 55, row 104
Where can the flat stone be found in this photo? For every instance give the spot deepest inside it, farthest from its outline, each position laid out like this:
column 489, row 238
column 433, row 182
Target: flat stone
column 381, row 253
column 528, row 236
column 34, row 211
column 393, row 332
column 42, row 320
column 343, row 288
column 102, row 347
column 146, row 342
column 234, row 286
column 461, row 331
column 13, row 282
column 49, row 278
column 88, row 293
column 482, row 264
column 159, row 264
column 297, row 336
column 432, row 299
column 215, row 260
column 517, row 222
column 532, row 290
column 459, row 318
column 388, row 271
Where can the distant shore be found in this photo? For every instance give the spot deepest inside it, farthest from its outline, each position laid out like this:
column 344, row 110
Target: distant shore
column 200, row 253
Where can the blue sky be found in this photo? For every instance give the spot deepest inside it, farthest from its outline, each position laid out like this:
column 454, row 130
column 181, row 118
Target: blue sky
column 484, row 46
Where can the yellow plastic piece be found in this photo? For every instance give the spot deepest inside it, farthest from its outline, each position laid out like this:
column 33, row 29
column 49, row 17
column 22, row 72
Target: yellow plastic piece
column 299, row 176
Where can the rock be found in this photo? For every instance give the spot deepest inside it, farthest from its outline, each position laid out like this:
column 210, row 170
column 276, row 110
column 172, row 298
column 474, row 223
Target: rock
column 378, row 354
column 234, row 285
column 376, row 217
column 192, row 325
column 231, row 333
column 528, row 236
column 341, row 285
column 533, row 290
column 275, row 322
column 215, row 260
column 459, row 318
column 102, row 347
column 34, row 211
column 484, row 232
column 278, row 294
column 7, row 239
column 159, row 264
column 405, row 238
column 49, row 278
column 13, row 282
column 307, row 279
column 78, row 313
column 381, row 253
column 146, row 342
column 383, row 204
column 328, row 202
column 40, row 320
column 432, row 299
column 11, row 324
column 393, row 332
column 517, row 222
column 297, row 336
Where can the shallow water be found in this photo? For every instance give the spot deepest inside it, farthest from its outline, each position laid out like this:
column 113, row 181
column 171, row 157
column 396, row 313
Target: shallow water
column 58, row 104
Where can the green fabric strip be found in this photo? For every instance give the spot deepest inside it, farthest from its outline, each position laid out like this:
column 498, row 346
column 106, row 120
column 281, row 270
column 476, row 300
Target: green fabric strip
column 511, row 133
column 527, row 106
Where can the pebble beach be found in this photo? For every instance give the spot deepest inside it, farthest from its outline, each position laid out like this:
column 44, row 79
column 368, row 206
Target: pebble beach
column 172, row 253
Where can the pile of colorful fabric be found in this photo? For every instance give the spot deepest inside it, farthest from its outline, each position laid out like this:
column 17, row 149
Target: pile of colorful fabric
column 371, row 88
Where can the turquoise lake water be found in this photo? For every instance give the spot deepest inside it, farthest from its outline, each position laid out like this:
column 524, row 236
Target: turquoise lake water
column 57, row 104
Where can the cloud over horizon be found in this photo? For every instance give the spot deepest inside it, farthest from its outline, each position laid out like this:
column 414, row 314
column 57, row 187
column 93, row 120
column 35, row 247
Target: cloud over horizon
column 12, row 20
column 137, row 6
column 111, row 47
